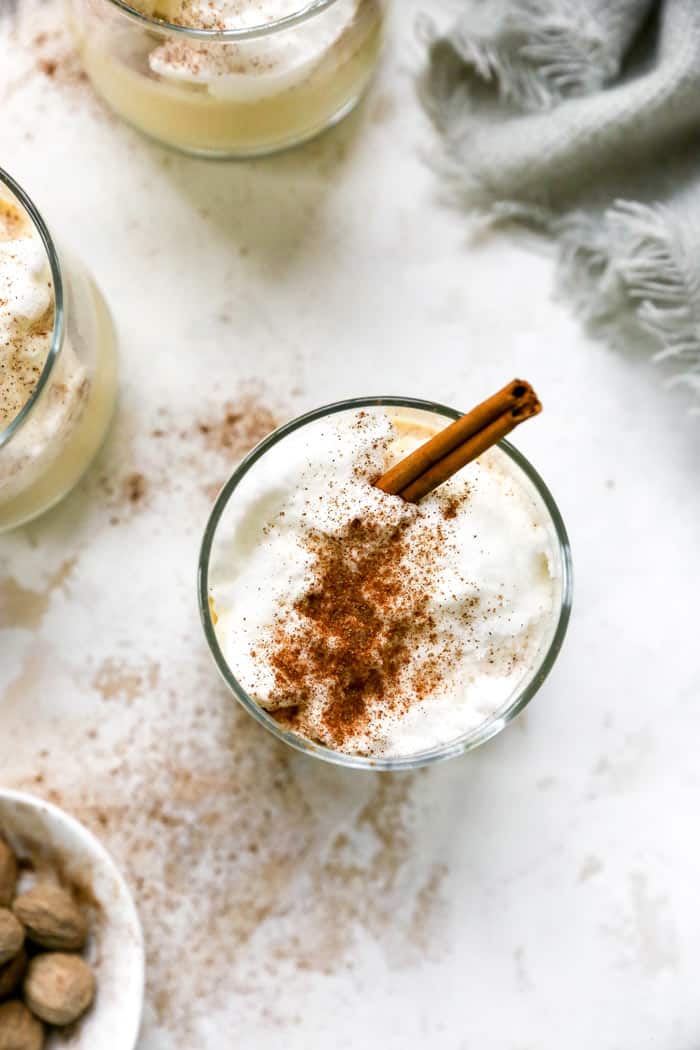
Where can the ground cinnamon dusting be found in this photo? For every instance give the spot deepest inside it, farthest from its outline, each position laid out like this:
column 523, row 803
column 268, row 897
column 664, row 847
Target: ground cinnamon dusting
column 205, row 451
column 452, row 504
column 135, row 487
column 364, row 639
column 238, row 428
column 54, row 50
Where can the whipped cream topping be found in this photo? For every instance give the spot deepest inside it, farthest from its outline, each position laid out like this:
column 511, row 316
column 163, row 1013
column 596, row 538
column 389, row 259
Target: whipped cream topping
column 26, row 309
column 222, row 14
column 245, row 71
column 374, row 626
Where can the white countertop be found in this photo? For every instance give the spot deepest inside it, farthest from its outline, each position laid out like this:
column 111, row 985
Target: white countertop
column 539, row 893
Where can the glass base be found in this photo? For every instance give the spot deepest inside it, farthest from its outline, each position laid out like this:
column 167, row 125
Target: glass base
column 282, row 146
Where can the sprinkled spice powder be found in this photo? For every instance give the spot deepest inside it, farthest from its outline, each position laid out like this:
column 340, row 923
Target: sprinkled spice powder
column 364, row 638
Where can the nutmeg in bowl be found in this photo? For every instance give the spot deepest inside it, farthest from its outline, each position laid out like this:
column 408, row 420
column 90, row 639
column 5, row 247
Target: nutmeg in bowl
column 82, row 954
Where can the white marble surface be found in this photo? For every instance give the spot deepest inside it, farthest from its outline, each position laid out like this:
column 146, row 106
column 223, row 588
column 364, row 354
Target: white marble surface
column 539, row 893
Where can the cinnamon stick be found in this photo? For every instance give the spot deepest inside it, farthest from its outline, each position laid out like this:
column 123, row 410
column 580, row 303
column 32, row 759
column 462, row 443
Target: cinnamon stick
column 461, row 442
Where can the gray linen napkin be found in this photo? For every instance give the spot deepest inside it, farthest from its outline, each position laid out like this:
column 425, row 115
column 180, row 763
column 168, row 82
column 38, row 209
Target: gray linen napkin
column 582, row 117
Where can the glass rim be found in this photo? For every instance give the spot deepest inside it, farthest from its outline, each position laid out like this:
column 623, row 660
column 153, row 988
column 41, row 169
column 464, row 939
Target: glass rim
column 8, row 432
column 490, row 727
column 305, row 12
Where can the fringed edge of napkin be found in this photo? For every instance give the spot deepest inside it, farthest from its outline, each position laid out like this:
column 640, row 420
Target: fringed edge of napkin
column 629, row 261
column 632, row 256
column 544, row 53
column 624, row 264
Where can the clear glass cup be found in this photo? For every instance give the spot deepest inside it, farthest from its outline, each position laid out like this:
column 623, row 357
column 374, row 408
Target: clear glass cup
column 491, row 726
column 236, row 92
column 48, row 445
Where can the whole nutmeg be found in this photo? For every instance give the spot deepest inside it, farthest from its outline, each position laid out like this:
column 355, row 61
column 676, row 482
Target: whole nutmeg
column 11, row 974
column 59, row 988
column 18, row 1029
column 51, row 917
column 11, row 936
column 8, row 874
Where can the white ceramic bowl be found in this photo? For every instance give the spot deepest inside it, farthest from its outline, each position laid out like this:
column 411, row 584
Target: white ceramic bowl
column 50, row 839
